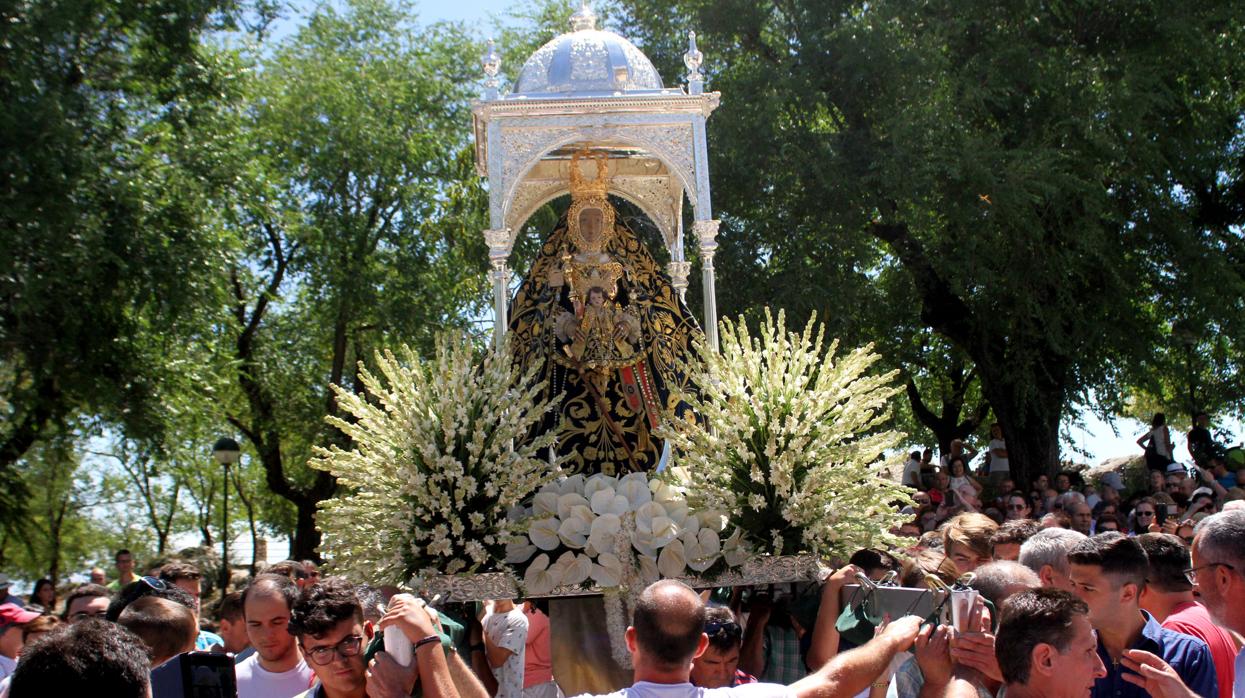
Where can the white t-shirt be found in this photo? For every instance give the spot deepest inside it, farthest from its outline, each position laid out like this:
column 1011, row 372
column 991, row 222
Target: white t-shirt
column 645, row 689
column 1158, row 436
column 998, row 465
column 912, row 473
column 508, row 631
column 1238, row 684
column 256, row 682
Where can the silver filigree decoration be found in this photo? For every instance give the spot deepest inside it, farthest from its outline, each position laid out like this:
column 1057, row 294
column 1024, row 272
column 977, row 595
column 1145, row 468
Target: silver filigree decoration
column 491, row 63
column 693, row 60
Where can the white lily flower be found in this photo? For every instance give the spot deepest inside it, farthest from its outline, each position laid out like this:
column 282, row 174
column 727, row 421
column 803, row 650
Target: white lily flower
column 635, row 488
column 574, row 530
column 672, row 562
column 537, row 579
column 607, row 572
column 646, row 513
column 545, row 504
column 602, row 531
column 598, row 482
column 702, row 550
column 648, row 568
column 544, row 533
column 518, row 551
column 571, row 569
column 568, row 501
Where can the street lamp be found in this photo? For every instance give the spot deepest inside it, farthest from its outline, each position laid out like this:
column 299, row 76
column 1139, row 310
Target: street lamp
column 226, row 452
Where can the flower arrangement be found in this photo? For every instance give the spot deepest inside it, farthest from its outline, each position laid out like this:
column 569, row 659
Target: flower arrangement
column 790, row 440
column 617, row 532
column 441, row 453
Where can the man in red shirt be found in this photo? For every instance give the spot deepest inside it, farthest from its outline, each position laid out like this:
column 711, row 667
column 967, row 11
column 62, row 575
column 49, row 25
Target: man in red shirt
column 1168, row 596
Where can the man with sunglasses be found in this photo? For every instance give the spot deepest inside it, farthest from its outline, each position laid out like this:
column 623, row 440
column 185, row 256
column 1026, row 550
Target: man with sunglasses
column 718, row 665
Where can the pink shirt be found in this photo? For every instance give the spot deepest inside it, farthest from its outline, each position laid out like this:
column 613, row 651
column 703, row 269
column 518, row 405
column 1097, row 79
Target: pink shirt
column 1192, row 618
column 537, row 666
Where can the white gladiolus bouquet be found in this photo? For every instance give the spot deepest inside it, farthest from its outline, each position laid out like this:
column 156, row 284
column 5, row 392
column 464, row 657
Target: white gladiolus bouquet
column 616, row 532
column 441, row 453
column 789, row 440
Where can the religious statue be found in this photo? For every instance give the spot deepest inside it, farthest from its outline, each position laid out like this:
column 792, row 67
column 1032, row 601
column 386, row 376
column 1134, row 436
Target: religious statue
column 603, row 322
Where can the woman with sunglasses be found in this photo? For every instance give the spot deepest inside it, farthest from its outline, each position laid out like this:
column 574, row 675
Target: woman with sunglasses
column 1144, row 515
column 1016, row 506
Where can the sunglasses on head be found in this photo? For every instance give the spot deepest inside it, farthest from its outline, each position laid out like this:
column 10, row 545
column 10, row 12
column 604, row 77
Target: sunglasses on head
column 727, row 629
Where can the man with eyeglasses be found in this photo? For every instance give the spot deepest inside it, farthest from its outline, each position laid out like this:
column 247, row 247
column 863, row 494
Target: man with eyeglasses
column 1108, row 573
column 329, row 626
column 124, row 560
column 718, row 665
column 276, row 669
column 1168, row 596
column 1218, row 571
column 86, row 602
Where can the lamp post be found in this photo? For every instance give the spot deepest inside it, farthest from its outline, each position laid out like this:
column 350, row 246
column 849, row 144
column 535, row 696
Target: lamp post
column 226, row 452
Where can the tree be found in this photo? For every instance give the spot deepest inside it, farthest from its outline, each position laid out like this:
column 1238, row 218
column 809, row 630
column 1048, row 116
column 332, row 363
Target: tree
column 102, row 207
column 359, row 227
column 1050, row 177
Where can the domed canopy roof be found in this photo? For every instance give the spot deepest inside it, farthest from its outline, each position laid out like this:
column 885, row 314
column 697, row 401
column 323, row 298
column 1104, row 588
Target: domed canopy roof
column 587, row 60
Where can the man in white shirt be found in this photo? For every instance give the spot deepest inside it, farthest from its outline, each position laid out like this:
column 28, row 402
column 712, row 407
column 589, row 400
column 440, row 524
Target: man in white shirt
column 505, row 642
column 667, row 633
column 912, row 471
column 277, row 668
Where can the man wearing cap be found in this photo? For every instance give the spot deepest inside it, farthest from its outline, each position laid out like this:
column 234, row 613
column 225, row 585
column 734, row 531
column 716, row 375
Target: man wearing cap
column 12, row 618
column 5, row 596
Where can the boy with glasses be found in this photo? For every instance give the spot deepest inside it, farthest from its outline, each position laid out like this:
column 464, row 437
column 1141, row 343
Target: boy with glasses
column 718, row 665
column 328, row 623
column 85, row 602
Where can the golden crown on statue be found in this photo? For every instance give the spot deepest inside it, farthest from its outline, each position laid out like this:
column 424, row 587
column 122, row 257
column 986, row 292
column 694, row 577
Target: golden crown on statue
column 590, row 234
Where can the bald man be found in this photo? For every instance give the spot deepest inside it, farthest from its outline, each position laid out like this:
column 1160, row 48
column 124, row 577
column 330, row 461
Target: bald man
column 667, row 633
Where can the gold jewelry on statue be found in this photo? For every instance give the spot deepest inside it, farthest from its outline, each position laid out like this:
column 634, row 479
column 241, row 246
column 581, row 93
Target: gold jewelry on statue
column 588, row 195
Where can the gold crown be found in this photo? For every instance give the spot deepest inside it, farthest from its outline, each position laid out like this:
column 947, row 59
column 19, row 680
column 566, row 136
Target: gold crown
column 582, row 187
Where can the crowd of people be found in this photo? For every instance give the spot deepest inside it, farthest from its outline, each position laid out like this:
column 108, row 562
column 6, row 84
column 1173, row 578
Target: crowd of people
column 1083, row 590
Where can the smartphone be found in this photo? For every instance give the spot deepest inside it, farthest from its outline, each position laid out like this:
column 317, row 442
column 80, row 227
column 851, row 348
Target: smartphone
column 1171, row 510
column 195, row 675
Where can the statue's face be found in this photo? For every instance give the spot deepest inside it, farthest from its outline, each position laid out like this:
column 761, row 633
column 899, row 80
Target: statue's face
column 596, row 296
column 590, row 222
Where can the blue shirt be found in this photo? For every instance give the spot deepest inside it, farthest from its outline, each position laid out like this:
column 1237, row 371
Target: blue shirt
column 1189, row 656
column 206, row 639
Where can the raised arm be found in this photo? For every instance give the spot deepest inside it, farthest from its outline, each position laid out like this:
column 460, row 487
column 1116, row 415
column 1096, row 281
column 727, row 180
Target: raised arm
column 853, row 671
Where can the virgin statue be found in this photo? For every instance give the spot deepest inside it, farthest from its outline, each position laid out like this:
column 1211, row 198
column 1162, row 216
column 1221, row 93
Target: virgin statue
column 605, row 327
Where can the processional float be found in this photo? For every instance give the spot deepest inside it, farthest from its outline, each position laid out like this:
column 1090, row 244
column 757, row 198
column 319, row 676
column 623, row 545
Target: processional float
column 605, row 324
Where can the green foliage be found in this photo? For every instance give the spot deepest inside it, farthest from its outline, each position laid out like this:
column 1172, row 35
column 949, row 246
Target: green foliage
column 102, row 207
column 1055, row 181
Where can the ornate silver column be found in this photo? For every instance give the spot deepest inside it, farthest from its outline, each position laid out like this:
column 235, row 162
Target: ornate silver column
column 707, row 234
column 498, row 240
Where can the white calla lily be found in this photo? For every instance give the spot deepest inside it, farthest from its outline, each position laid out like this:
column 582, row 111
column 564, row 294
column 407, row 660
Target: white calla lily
column 702, row 550
column 545, row 503
column 607, row 572
column 575, row 528
column 643, row 542
column 544, row 533
column 664, row 530
column 713, row 519
column 537, row 579
column 519, row 550
column 602, row 531
column 734, row 549
column 646, row 513
column 598, row 482
column 672, row 561
column 568, row 501
column 635, row 488
column 572, row 484
column 648, row 568
column 571, row 569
